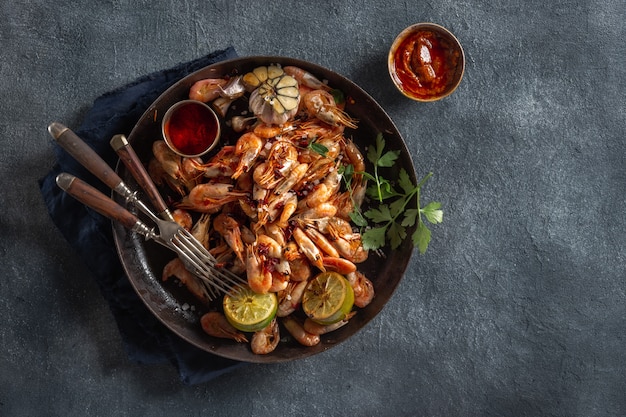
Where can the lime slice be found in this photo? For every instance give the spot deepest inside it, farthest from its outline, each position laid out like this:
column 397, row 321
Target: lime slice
column 249, row 311
column 328, row 298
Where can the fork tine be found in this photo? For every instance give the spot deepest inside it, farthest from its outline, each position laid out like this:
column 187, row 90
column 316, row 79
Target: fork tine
column 225, row 278
column 197, row 269
column 191, row 240
column 205, row 257
column 200, row 270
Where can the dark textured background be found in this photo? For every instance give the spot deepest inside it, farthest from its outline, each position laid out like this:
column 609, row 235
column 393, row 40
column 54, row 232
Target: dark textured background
column 518, row 308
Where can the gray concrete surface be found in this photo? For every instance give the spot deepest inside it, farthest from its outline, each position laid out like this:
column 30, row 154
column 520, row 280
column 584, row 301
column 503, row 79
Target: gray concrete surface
column 517, row 309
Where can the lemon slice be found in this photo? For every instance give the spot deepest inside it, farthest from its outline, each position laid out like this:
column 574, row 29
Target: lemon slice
column 328, row 298
column 249, row 311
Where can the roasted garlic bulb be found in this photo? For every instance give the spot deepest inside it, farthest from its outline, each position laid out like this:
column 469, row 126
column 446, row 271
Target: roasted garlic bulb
column 275, row 95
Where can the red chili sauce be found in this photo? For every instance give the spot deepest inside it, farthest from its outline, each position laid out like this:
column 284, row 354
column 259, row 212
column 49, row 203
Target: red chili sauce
column 425, row 64
column 192, row 128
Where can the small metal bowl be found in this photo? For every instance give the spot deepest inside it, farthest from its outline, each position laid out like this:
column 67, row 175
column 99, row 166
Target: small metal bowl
column 191, row 128
column 426, row 62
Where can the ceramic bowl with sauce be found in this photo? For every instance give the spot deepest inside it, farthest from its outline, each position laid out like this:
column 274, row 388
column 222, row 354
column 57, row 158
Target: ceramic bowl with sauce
column 426, row 62
column 191, row 128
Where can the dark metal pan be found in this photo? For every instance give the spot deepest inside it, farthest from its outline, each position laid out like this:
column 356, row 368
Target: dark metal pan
column 144, row 261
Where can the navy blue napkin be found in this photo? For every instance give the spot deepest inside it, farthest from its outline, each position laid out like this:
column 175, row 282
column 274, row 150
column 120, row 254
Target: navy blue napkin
column 147, row 340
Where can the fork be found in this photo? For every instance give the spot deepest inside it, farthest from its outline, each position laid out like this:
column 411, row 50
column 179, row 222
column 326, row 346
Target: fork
column 196, row 258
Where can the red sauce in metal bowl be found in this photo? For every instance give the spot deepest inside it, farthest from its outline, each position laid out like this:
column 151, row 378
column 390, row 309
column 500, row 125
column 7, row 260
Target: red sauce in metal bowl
column 426, row 64
column 191, row 128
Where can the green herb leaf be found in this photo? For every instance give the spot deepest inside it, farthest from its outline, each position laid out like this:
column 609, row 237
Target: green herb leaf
column 433, row 212
column 338, row 96
column 388, row 159
column 372, row 156
column 373, row 238
column 319, row 148
column 393, row 217
column 421, row 237
column 386, row 190
column 396, row 207
column 404, row 181
column 382, row 214
column 396, row 234
column 374, row 153
column 368, row 176
column 410, row 215
column 357, row 218
column 347, row 170
column 382, row 191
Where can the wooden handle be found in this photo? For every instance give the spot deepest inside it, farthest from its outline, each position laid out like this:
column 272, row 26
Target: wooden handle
column 84, row 154
column 128, row 156
column 93, row 198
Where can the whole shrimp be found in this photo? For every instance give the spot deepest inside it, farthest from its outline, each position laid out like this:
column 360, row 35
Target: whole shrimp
column 339, row 265
column 318, row 169
column 298, row 263
column 210, row 197
column 281, row 158
column 305, row 78
column 200, row 229
column 273, row 206
column 176, row 268
column 248, row 148
column 321, row 242
column 323, row 192
column 295, row 329
column 230, row 230
column 207, row 89
column 266, row 131
column 270, row 255
column 321, row 104
column 362, row 287
column 289, row 299
column 308, row 248
column 351, row 248
column 183, row 218
column 318, row 329
column 294, row 176
column 222, row 164
column 289, row 208
column 171, row 164
column 215, row 324
column 160, row 177
column 259, row 276
column 265, row 341
column 358, row 182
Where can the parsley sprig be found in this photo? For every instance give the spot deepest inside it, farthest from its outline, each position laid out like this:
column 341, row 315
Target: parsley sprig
column 398, row 209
